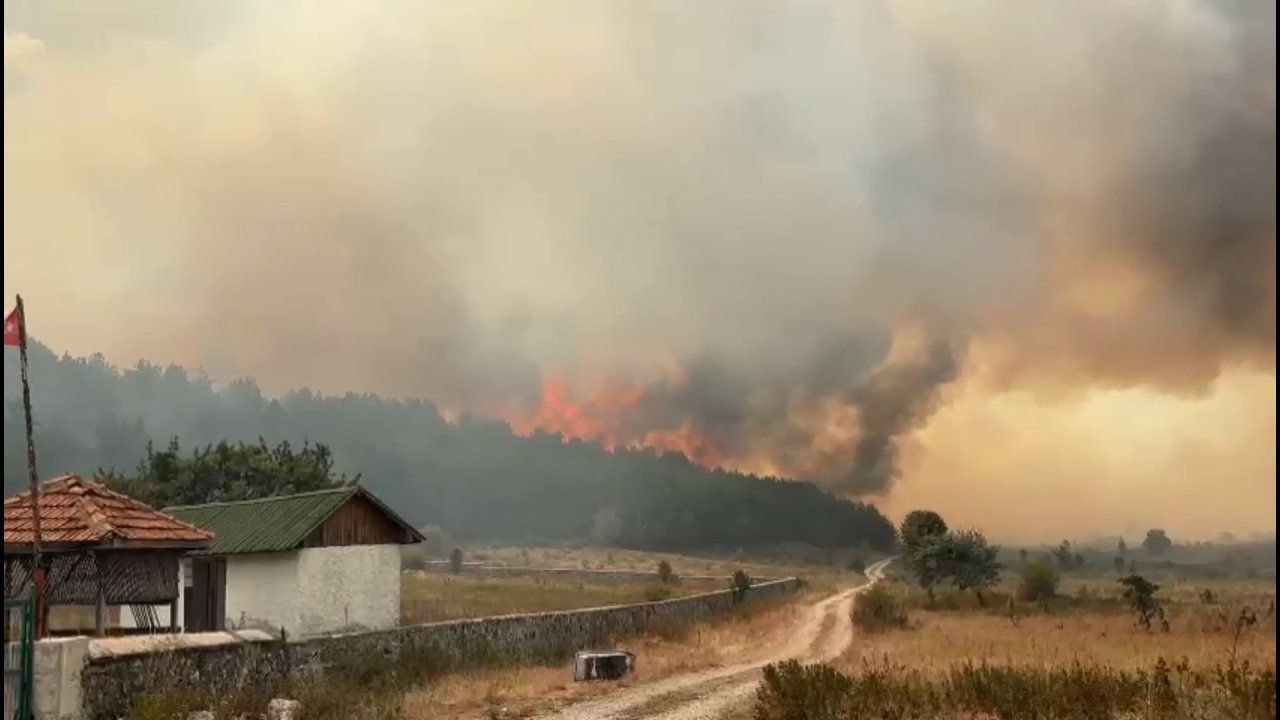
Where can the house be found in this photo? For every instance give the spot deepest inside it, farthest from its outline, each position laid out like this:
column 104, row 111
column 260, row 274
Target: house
column 306, row 564
column 104, row 550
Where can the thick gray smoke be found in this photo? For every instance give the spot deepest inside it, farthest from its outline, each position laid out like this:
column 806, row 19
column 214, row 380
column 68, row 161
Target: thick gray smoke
column 460, row 200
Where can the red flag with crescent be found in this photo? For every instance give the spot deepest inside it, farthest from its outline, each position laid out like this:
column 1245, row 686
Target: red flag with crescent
column 12, row 335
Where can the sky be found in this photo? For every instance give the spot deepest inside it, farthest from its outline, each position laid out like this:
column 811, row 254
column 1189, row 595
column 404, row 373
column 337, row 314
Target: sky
column 1012, row 262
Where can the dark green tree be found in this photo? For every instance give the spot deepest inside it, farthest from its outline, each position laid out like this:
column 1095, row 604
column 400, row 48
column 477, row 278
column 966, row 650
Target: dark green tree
column 225, row 472
column 919, row 525
column 970, row 562
column 1157, row 542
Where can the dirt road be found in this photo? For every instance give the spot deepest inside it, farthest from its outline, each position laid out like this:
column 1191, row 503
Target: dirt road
column 824, row 633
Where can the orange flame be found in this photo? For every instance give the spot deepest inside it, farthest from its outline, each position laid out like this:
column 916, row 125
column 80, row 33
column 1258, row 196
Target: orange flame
column 607, row 414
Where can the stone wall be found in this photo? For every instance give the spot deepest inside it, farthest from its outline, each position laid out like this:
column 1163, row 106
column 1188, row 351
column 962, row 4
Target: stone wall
column 110, row 683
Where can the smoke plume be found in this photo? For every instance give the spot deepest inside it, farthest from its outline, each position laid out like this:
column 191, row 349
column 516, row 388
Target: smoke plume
column 762, row 234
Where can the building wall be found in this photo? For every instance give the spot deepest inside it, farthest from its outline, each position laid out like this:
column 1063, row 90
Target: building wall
column 263, row 591
column 345, row 589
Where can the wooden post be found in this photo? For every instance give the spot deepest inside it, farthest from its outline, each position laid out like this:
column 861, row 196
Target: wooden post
column 173, row 615
column 100, row 607
column 38, row 570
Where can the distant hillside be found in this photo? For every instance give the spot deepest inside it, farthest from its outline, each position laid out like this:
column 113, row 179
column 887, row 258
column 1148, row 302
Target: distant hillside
column 475, row 478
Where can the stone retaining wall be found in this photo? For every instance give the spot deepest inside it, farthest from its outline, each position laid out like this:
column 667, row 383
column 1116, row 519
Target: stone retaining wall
column 110, row 683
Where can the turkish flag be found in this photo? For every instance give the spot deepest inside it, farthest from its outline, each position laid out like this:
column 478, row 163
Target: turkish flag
column 11, row 334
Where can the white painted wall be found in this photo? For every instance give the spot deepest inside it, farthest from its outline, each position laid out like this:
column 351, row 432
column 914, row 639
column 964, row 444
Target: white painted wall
column 263, row 592
column 348, row 588
column 307, row 592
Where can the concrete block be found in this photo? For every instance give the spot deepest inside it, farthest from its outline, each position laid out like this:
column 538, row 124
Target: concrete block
column 56, row 667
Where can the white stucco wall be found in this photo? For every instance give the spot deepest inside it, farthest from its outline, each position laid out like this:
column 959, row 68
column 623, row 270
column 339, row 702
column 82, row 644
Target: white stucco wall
column 307, row 592
column 263, row 592
column 347, row 588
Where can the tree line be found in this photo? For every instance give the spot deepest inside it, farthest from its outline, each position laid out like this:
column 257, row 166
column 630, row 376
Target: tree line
column 172, row 436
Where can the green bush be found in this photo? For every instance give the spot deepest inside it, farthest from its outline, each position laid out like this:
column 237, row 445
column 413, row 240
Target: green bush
column 877, row 609
column 665, row 575
column 1039, row 581
column 455, row 560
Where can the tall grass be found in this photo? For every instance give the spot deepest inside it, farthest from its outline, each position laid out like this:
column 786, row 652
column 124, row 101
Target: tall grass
column 1235, row 691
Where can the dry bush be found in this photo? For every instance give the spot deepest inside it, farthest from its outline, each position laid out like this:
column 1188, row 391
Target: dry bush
column 1079, row 691
column 878, row 609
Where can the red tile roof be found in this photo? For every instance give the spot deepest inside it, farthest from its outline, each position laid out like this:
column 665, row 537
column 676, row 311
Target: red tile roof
column 78, row 511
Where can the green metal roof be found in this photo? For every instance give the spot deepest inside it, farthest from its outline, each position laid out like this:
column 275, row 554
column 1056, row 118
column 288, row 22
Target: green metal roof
column 266, row 524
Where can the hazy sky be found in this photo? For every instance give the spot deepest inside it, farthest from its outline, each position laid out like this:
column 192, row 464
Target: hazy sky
column 1015, row 261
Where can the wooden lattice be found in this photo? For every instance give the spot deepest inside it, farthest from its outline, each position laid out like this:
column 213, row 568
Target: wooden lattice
column 137, row 577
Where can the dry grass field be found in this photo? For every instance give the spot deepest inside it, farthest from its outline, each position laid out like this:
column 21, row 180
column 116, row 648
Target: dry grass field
column 430, row 597
column 1081, row 655
column 603, row 558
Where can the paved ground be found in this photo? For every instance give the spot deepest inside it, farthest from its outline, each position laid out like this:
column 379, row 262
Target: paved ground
column 824, row 632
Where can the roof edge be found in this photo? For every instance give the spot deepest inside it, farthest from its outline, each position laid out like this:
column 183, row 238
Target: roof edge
column 261, row 500
column 395, row 517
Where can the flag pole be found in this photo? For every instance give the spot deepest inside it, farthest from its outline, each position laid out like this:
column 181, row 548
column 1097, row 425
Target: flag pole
column 37, row 565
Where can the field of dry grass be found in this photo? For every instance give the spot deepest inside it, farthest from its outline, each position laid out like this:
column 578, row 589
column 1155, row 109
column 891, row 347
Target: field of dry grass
column 521, row 692
column 430, row 597
column 603, row 558
column 1081, row 655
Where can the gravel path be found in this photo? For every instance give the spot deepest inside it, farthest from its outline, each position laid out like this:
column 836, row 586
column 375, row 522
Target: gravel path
column 823, row 634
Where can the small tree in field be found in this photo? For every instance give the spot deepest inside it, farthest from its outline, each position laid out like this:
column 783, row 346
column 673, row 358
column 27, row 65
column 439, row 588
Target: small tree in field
column 970, row 561
column 918, row 526
column 928, row 562
column 665, row 574
column 455, row 560
column 1039, row 581
column 1157, row 542
column 1141, row 594
column 1118, row 564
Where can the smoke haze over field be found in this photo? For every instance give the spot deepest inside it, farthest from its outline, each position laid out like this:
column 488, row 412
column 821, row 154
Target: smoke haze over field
column 912, row 250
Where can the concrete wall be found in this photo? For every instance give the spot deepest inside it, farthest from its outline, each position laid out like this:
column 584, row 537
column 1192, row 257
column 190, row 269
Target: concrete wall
column 56, row 665
column 343, row 589
column 111, row 683
column 307, row 592
column 263, row 592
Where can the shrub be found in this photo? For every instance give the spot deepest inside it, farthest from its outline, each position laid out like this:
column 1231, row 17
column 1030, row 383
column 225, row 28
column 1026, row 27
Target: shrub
column 455, row 560
column 739, row 584
column 665, row 574
column 791, row 691
column 1141, row 594
column 1039, row 581
column 877, row 609
column 658, row 592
